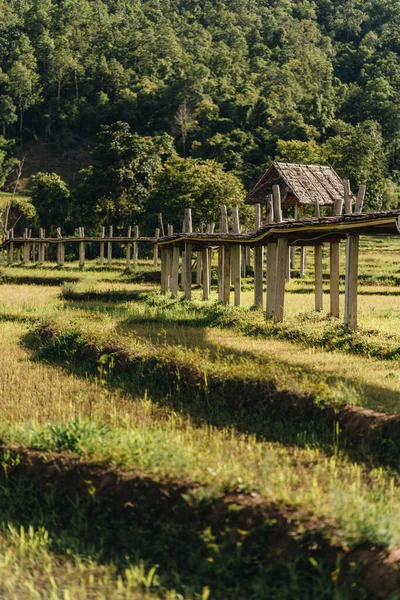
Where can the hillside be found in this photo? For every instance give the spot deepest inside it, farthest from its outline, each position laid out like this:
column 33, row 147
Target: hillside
column 227, row 78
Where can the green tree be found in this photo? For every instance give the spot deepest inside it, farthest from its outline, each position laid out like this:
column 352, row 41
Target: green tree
column 202, row 185
column 50, row 197
column 115, row 188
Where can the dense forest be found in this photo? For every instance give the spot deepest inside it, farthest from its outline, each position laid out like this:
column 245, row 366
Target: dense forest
column 237, row 81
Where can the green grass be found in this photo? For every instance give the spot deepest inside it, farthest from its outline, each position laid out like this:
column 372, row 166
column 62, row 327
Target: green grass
column 67, row 394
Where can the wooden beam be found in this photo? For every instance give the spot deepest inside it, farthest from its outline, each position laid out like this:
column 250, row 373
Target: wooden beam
column 281, row 265
column 334, row 279
column 318, row 278
column 187, row 283
column 223, row 228
column 350, row 299
column 163, row 270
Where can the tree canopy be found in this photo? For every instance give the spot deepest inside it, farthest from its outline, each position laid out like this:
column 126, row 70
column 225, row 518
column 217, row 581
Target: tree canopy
column 229, row 80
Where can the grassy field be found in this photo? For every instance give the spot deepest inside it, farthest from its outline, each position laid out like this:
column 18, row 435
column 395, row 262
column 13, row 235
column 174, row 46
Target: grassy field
column 195, row 418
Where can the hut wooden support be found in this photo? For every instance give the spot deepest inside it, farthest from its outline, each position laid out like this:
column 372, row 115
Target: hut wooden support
column 205, row 260
column 350, row 299
column 334, row 280
column 109, row 252
column 103, row 233
column 318, row 278
column 175, row 272
column 281, row 266
column 271, row 279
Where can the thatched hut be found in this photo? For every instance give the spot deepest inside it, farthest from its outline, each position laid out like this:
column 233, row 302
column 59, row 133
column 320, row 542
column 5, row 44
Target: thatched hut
column 300, row 185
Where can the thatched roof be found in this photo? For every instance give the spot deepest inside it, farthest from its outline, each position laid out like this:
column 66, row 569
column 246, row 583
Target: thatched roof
column 303, row 184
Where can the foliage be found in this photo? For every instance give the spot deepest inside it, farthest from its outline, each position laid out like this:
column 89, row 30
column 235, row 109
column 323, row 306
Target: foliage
column 116, row 186
column 50, row 197
column 202, row 185
column 228, row 79
column 7, row 161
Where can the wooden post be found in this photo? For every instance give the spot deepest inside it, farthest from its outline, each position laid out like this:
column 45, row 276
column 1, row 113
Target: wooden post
column 103, row 234
column 10, row 253
column 81, row 247
column 318, row 278
column 281, row 265
column 236, row 256
column 175, row 271
column 271, row 279
column 350, row 299
column 27, row 248
column 293, row 249
column 334, row 278
column 136, row 246
column 109, row 253
column 223, row 228
column 188, row 256
column 206, row 273
column 360, row 198
column 277, row 204
column 258, row 262
column 62, row 253
column 41, row 246
column 163, row 271
column 169, row 259
column 128, row 248
column 226, row 283
column 347, row 197
column 155, row 250
column 302, row 260
column 18, row 254
column 199, row 260
column 270, row 209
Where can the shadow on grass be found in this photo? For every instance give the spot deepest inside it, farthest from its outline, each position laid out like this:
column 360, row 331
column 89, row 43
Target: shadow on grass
column 235, row 552
column 250, row 406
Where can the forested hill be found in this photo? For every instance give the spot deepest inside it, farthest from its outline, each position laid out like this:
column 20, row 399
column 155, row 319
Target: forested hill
column 231, row 80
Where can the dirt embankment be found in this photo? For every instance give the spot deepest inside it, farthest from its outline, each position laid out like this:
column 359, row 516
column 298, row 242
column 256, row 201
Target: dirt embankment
column 275, row 534
column 367, row 432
